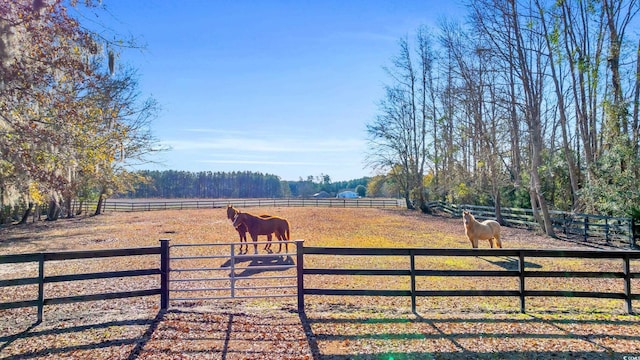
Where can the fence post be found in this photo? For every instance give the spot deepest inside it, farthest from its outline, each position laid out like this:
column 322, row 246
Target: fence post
column 627, row 285
column 299, row 270
column 232, row 274
column 40, row 288
column 413, row 281
column 522, row 279
column 164, row 274
column 633, row 233
column 586, row 228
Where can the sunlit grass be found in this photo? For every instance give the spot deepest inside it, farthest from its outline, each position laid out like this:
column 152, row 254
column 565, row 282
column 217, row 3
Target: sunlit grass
column 339, row 227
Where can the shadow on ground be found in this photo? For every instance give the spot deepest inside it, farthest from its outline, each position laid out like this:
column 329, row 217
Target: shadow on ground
column 282, row 333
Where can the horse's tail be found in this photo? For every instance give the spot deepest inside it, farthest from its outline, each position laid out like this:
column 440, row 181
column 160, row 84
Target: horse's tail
column 287, row 234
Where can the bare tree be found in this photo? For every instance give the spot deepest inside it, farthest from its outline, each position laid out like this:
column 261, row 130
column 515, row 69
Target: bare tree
column 501, row 24
column 552, row 47
column 399, row 135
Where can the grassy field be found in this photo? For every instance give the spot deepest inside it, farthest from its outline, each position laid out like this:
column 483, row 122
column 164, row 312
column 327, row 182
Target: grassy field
column 333, row 327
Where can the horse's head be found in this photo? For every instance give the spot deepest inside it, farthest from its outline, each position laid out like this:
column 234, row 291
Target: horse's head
column 467, row 218
column 231, row 212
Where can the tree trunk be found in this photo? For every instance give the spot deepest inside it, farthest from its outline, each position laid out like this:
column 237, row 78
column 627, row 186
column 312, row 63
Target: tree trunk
column 100, row 202
column 531, row 85
column 617, row 119
column 498, row 203
column 67, row 204
column 573, row 177
column 635, row 138
column 79, row 211
column 26, row 214
column 54, row 210
column 577, row 44
column 534, row 206
column 516, row 167
column 536, row 162
column 407, row 200
column 3, row 216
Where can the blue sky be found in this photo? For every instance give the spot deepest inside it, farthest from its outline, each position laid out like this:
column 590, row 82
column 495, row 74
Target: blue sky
column 278, row 87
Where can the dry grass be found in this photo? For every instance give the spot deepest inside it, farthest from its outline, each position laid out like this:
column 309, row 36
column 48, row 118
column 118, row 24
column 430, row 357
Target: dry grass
column 334, row 327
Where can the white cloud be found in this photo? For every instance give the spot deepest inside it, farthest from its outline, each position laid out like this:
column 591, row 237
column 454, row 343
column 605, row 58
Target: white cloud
column 272, row 145
column 214, row 131
column 256, row 162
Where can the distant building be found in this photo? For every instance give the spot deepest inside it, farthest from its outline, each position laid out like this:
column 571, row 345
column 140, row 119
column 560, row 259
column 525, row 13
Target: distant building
column 347, row 195
column 321, row 194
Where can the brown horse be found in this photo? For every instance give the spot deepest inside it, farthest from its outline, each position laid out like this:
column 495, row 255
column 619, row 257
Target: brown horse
column 486, row 230
column 242, row 229
column 262, row 226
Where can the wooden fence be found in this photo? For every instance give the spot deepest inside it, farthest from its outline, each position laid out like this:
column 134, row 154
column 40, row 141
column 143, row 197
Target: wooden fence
column 522, row 273
column 41, row 258
column 161, row 204
column 621, row 229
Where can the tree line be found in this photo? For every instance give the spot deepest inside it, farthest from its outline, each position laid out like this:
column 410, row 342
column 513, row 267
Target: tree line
column 526, row 104
column 236, row 184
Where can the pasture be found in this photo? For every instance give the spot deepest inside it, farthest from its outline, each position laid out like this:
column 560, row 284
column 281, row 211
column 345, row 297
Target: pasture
column 334, row 327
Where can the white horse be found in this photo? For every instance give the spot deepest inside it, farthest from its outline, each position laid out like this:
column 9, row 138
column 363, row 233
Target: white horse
column 486, row 230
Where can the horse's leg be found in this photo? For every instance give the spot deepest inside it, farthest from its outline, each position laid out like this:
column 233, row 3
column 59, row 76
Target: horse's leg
column 491, row 242
column 280, row 237
column 498, row 241
column 285, row 238
column 286, row 235
column 254, row 237
column 241, row 235
column 268, row 246
column 246, row 244
column 474, row 243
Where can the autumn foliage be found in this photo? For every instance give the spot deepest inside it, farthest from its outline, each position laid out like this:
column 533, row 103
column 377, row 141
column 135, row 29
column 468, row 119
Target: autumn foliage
column 68, row 122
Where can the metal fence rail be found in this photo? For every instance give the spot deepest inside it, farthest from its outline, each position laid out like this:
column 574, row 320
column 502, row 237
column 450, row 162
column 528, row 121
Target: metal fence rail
column 210, row 284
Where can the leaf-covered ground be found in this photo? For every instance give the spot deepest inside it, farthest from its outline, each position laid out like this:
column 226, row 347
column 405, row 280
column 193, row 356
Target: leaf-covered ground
column 333, row 327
